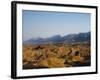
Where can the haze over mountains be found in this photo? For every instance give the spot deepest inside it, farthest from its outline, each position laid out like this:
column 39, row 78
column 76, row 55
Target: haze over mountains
column 70, row 38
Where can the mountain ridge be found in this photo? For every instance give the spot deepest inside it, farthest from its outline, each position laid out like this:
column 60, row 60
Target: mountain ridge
column 70, row 38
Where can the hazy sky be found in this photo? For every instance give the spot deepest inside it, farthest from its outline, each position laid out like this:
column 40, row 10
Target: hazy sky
column 45, row 24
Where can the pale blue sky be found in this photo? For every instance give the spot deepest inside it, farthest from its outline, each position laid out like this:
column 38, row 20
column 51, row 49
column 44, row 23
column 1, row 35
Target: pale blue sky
column 46, row 24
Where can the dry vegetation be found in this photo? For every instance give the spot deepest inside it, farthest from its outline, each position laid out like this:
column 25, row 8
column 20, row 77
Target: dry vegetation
column 56, row 55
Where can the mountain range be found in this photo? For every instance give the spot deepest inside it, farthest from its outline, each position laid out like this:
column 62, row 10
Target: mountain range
column 70, row 38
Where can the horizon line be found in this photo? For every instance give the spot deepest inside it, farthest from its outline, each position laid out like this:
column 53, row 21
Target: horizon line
column 57, row 35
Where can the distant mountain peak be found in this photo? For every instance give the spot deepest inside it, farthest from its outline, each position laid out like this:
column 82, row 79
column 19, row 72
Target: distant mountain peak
column 70, row 38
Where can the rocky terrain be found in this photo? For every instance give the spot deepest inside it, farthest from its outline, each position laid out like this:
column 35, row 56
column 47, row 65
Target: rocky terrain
column 56, row 55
